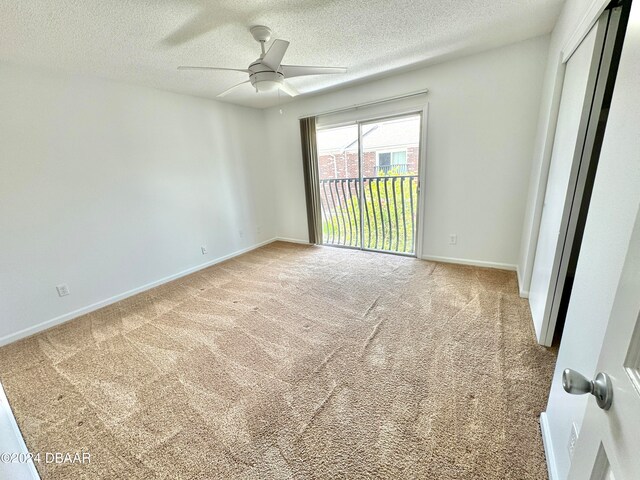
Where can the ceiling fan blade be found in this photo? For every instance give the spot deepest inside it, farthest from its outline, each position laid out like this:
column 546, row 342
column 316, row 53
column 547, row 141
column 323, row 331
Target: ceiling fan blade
column 289, row 89
column 300, row 70
column 275, row 54
column 229, row 90
column 186, row 67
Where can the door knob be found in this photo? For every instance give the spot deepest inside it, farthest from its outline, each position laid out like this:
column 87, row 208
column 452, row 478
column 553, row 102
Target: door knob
column 577, row 384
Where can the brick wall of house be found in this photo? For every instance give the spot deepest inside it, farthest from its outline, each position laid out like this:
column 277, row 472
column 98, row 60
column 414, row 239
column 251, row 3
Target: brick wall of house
column 345, row 165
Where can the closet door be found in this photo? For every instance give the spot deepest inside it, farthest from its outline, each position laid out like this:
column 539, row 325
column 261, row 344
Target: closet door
column 575, row 105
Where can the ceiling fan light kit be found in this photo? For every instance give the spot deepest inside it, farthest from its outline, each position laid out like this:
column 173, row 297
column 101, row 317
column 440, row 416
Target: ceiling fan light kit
column 267, row 81
column 267, row 73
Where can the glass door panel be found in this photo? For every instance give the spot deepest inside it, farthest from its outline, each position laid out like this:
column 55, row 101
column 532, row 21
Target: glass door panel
column 390, row 158
column 339, row 173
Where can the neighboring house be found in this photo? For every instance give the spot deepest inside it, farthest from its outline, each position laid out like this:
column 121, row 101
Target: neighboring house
column 393, row 148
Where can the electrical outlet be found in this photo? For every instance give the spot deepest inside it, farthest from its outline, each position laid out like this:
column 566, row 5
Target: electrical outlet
column 258, row 230
column 453, row 239
column 573, row 438
column 241, row 233
column 204, row 250
column 63, row 290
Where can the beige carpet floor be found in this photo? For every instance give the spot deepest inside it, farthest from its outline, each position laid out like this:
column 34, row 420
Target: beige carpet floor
column 293, row 362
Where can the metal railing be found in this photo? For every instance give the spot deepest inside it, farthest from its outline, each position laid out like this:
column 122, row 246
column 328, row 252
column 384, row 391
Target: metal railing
column 389, row 209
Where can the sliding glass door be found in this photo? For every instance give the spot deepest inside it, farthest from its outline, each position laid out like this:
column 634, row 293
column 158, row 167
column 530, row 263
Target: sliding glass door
column 368, row 174
column 390, row 153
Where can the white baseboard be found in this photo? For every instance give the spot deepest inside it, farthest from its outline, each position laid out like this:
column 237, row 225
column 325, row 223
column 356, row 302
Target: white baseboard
column 291, row 240
column 12, row 337
column 474, row 263
column 523, row 293
column 548, row 447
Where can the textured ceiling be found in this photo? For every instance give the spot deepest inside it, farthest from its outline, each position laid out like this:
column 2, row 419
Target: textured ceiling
column 143, row 41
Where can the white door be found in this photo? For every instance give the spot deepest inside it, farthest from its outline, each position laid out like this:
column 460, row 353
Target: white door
column 609, row 443
column 570, row 130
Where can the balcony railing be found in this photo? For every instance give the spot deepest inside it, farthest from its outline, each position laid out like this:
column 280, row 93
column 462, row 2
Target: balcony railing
column 389, row 210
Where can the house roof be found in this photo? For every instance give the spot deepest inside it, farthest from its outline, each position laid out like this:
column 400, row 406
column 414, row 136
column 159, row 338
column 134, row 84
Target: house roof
column 397, row 133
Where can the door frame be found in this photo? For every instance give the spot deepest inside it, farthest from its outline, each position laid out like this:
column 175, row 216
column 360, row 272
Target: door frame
column 422, row 110
column 532, row 226
column 582, row 171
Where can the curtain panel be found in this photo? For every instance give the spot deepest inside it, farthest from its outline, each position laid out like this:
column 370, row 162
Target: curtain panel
column 311, row 178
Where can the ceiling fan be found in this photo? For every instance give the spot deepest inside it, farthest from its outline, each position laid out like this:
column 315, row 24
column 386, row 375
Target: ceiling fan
column 267, row 73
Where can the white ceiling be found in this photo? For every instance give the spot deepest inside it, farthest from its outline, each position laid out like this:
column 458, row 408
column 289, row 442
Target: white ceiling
column 143, row 41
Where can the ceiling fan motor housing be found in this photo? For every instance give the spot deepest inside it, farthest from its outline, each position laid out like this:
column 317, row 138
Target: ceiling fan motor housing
column 263, row 78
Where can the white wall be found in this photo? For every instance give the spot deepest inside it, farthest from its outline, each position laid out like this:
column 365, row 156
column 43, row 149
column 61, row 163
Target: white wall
column 575, row 16
column 612, row 212
column 109, row 187
column 483, row 111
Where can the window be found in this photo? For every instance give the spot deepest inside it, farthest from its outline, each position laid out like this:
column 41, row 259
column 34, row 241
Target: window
column 395, row 161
